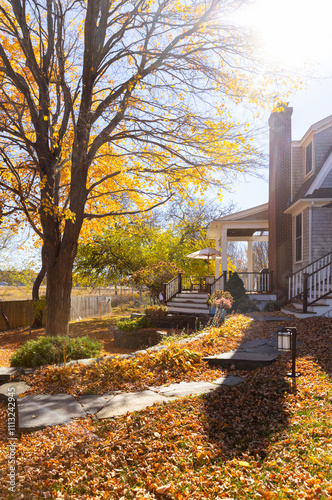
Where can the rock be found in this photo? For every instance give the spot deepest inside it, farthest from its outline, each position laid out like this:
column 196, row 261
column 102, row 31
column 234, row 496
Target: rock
column 129, row 401
column 7, row 373
column 18, row 389
column 38, row 412
column 92, row 403
column 183, row 389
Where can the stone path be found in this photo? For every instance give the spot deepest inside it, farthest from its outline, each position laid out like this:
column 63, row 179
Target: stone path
column 249, row 356
column 39, row 411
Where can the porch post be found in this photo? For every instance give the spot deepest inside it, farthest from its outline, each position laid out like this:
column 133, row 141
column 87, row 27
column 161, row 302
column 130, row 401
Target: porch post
column 224, row 250
column 250, row 266
column 217, row 261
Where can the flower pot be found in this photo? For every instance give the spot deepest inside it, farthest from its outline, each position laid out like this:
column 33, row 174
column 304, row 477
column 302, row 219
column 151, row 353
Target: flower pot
column 219, row 315
column 212, row 310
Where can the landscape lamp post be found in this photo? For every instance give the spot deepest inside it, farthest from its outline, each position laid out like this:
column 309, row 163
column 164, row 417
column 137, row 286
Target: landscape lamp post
column 287, row 342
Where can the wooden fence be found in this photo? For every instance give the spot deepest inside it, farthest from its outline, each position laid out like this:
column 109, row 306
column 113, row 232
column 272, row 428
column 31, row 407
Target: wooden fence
column 20, row 312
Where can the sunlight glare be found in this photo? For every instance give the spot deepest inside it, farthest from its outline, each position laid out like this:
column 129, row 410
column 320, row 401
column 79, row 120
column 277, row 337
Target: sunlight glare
column 294, row 33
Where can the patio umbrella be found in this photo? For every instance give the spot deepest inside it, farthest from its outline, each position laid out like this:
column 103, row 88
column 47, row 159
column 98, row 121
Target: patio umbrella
column 206, row 253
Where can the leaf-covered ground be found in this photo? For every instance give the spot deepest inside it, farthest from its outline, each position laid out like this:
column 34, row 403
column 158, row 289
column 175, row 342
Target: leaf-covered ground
column 12, row 340
column 265, row 438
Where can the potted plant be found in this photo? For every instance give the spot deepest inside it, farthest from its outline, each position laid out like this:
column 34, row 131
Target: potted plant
column 219, row 302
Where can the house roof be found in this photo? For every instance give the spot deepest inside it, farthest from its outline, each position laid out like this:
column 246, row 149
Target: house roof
column 320, row 193
column 316, row 127
column 311, row 189
column 241, row 224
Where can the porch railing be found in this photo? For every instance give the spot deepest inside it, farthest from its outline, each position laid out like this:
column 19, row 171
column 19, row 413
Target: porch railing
column 173, row 287
column 317, row 285
column 253, row 282
column 296, row 281
column 256, row 282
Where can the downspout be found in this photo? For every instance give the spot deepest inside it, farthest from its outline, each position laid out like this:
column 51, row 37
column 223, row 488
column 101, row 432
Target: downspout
column 310, row 233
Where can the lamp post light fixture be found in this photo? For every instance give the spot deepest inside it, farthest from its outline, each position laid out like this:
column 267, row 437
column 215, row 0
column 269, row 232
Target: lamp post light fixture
column 287, row 342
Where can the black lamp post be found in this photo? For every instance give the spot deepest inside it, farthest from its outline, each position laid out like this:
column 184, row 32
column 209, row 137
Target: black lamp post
column 287, row 342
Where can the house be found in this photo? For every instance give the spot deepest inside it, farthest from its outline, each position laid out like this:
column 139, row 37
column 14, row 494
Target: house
column 297, row 219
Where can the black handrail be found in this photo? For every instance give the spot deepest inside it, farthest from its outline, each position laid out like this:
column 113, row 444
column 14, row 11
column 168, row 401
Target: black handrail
column 306, row 276
column 311, row 264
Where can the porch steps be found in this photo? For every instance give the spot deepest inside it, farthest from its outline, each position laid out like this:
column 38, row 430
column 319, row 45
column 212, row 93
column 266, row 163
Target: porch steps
column 188, row 303
column 321, row 308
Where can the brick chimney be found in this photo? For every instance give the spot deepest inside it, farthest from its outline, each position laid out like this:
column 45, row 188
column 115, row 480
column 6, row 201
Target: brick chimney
column 280, row 225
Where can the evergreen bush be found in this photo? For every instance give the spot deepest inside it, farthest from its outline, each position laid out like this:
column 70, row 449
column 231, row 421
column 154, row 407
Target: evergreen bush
column 51, row 350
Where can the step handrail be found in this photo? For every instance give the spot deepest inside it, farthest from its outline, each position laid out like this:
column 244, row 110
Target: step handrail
column 172, row 287
column 311, row 264
column 314, row 288
column 295, row 281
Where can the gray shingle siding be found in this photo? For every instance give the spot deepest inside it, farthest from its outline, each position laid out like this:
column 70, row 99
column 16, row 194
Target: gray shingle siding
column 321, row 232
column 322, row 143
column 327, row 183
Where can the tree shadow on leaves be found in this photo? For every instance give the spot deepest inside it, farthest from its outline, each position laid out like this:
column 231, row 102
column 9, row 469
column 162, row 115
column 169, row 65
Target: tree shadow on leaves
column 241, row 419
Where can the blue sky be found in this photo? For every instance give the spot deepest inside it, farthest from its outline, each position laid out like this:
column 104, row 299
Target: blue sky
column 294, row 34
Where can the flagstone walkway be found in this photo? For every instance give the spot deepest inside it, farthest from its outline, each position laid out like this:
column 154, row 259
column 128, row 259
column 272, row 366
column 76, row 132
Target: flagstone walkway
column 36, row 412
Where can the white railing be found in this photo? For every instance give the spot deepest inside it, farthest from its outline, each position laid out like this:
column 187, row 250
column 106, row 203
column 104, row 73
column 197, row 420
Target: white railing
column 172, row 287
column 317, row 285
column 255, row 282
column 295, row 283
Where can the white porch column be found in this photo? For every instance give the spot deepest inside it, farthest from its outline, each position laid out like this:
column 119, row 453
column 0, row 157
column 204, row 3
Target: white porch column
column 250, row 266
column 223, row 250
column 217, row 260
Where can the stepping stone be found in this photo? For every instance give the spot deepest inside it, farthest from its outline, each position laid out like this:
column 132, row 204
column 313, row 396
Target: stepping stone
column 274, row 318
column 129, row 401
column 7, row 373
column 92, row 403
column 183, row 389
column 18, row 389
column 38, row 412
column 241, row 360
column 228, row 381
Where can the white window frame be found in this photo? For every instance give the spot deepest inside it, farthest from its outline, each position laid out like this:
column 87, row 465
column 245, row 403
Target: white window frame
column 297, row 237
column 307, row 174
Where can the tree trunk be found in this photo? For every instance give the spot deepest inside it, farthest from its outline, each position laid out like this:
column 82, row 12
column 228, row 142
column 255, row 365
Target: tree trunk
column 39, row 314
column 5, row 319
column 59, row 285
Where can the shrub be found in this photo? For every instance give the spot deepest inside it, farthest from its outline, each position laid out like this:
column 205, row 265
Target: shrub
column 129, row 325
column 242, row 303
column 272, row 306
column 156, row 312
column 219, row 295
column 235, row 287
column 245, row 305
column 51, row 350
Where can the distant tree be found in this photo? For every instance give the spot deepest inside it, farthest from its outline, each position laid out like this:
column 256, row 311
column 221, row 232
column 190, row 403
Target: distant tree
column 171, row 234
column 260, row 255
column 153, row 277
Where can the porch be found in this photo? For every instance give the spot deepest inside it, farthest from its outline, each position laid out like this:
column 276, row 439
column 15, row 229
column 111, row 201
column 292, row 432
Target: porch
column 188, row 294
column 248, row 226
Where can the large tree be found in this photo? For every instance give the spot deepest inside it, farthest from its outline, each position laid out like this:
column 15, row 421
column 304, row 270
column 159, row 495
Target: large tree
column 108, row 107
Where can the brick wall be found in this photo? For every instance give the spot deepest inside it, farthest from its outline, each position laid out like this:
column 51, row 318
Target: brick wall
column 280, row 224
column 297, row 168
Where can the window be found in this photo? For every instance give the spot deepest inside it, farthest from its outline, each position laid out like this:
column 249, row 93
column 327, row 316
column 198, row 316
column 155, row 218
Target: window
column 298, row 238
column 308, row 159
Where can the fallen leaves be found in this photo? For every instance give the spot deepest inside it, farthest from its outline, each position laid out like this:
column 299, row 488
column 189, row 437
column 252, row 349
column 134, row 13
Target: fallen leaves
column 262, row 439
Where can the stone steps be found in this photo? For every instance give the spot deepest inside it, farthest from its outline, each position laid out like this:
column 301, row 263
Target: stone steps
column 188, row 303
